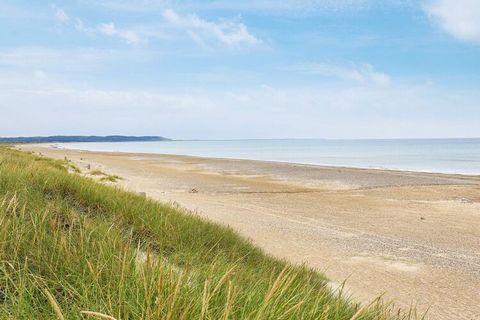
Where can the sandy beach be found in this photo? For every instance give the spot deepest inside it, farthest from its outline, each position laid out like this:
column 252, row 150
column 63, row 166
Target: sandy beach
column 412, row 237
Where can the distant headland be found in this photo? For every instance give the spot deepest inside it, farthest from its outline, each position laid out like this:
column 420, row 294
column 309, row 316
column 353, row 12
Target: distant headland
column 65, row 139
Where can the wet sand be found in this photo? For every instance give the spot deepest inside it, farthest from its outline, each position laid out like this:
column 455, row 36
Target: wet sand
column 413, row 237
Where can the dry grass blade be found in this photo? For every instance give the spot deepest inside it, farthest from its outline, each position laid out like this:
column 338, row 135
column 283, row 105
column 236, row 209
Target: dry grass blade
column 365, row 307
column 54, row 304
column 97, row 315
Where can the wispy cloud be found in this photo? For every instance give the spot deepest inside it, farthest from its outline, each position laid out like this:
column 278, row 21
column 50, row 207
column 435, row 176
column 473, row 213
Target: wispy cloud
column 360, row 73
column 460, row 18
column 60, row 15
column 107, row 29
column 227, row 32
column 111, row 30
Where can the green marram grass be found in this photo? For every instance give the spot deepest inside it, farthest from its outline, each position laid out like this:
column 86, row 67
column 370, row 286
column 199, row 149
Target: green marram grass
column 104, row 176
column 73, row 248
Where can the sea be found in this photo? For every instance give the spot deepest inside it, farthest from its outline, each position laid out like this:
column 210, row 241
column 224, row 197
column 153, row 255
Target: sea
column 459, row 156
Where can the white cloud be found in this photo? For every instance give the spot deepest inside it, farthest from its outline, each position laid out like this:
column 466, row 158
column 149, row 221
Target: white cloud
column 363, row 73
column 460, row 18
column 61, row 15
column 109, row 29
column 227, row 32
column 81, row 27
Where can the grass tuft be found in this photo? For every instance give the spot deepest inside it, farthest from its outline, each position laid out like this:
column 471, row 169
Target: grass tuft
column 97, row 172
column 105, row 177
column 111, row 178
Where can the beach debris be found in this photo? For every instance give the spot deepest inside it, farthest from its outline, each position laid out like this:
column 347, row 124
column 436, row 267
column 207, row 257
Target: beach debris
column 193, row 190
column 143, row 194
column 422, row 218
column 88, row 166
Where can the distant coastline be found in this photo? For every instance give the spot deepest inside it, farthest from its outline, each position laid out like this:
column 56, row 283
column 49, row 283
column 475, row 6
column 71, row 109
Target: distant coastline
column 66, row 139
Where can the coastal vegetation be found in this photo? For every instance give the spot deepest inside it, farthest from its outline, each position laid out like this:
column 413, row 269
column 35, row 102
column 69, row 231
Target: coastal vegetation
column 74, row 248
column 105, row 176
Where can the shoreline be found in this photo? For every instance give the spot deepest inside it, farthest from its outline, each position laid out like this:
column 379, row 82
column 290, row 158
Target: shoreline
column 414, row 237
column 317, row 165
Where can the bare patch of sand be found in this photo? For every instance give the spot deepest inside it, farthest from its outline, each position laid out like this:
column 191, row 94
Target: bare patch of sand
column 389, row 262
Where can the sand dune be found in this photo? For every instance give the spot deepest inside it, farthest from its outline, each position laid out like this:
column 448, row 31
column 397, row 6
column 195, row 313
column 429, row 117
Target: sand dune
column 414, row 237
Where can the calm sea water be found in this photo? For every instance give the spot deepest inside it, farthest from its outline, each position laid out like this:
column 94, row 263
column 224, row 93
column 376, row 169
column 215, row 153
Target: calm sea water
column 432, row 155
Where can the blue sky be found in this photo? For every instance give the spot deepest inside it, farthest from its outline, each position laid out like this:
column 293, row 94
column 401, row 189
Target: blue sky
column 220, row 69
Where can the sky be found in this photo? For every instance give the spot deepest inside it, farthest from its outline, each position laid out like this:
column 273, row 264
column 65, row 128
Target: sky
column 222, row 69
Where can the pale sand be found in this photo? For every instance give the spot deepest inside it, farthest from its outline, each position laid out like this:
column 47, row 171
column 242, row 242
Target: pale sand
column 414, row 237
